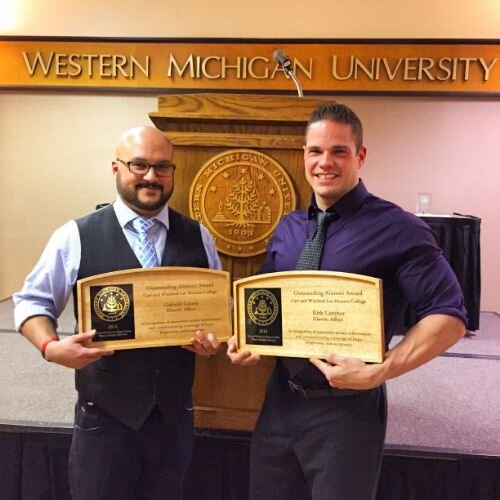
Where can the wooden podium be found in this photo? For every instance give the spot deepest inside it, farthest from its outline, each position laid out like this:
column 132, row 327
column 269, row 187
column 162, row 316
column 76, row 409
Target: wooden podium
column 202, row 126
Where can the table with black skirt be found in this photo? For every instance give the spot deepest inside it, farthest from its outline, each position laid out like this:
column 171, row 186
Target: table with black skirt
column 459, row 237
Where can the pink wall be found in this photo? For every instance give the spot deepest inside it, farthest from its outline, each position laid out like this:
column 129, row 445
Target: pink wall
column 444, row 146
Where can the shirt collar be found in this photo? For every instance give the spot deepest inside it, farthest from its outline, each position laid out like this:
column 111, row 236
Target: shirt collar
column 346, row 206
column 125, row 214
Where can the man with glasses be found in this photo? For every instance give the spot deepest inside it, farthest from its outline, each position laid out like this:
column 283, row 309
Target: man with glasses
column 133, row 425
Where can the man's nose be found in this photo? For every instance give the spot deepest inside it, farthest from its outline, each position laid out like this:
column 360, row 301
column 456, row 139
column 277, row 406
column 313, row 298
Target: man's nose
column 151, row 174
column 325, row 159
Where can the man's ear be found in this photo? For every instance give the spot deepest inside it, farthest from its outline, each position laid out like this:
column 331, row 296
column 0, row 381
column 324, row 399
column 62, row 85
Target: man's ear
column 361, row 156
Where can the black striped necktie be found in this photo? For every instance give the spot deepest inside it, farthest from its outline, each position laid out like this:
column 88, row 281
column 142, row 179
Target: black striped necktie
column 310, row 258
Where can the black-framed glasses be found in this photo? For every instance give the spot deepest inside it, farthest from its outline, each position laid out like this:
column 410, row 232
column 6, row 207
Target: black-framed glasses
column 139, row 167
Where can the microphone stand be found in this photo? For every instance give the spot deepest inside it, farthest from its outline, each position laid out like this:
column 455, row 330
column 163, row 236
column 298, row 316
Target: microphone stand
column 284, row 61
column 297, row 83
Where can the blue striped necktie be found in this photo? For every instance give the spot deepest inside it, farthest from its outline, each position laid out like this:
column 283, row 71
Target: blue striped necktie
column 145, row 251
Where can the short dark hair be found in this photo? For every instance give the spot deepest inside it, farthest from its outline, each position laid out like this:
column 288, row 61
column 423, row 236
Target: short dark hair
column 340, row 113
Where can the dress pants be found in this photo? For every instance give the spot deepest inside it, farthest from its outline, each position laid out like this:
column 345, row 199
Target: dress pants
column 325, row 449
column 110, row 461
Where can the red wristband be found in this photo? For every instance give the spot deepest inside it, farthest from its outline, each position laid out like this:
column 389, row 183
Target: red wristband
column 44, row 346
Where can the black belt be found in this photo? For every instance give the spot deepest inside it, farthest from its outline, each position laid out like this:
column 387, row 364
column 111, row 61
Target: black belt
column 320, row 392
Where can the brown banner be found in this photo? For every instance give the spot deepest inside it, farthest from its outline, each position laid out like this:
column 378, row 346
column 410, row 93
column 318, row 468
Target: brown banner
column 400, row 66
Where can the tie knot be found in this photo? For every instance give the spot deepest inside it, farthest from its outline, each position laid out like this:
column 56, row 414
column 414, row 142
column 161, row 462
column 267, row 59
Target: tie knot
column 324, row 218
column 143, row 224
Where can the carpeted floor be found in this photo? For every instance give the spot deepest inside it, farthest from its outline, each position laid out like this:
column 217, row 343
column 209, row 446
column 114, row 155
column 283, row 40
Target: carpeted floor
column 450, row 405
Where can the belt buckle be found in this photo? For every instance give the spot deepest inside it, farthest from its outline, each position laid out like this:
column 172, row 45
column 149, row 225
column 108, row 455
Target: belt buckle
column 298, row 389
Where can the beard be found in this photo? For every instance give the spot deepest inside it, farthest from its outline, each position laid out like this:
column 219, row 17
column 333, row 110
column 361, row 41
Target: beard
column 130, row 195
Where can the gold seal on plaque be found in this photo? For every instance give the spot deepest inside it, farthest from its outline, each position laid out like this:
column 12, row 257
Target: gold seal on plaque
column 240, row 196
column 262, row 307
column 111, row 303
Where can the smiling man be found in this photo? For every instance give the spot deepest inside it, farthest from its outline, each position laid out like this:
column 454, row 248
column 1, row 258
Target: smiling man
column 333, row 157
column 133, row 422
column 321, row 430
column 145, row 190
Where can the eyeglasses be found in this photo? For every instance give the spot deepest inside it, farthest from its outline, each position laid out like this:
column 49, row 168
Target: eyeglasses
column 139, row 167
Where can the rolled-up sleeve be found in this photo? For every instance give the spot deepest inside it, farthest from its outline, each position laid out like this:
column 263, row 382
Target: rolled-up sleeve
column 47, row 288
column 427, row 279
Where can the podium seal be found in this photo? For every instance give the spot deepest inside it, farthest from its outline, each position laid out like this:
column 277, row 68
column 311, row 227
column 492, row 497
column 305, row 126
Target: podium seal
column 240, row 196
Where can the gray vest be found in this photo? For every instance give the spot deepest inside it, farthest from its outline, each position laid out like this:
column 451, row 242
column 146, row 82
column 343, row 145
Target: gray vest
column 128, row 384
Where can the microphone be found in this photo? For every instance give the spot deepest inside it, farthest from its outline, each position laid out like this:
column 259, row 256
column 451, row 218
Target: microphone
column 284, row 61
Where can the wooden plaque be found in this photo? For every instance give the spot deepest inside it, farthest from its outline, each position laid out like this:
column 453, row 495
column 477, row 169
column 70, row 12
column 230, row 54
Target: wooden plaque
column 160, row 306
column 309, row 314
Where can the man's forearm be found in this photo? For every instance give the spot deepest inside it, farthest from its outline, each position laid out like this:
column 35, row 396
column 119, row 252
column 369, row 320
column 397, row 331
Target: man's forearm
column 38, row 329
column 427, row 339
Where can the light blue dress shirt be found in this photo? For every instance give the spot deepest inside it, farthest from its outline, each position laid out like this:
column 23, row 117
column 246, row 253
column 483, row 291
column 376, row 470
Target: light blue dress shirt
column 48, row 287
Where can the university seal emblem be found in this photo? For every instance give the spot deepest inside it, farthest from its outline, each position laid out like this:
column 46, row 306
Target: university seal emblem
column 262, row 307
column 111, row 303
column 240, row 196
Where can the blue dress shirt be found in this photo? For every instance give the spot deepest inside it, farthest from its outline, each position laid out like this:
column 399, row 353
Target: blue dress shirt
column 48, row 287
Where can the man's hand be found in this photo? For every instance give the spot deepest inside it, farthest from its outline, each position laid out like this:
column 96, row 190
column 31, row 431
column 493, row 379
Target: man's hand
column 204, row 344
column 243, row 358
column 349, row 373
column 73, row 351
column 424, row 341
